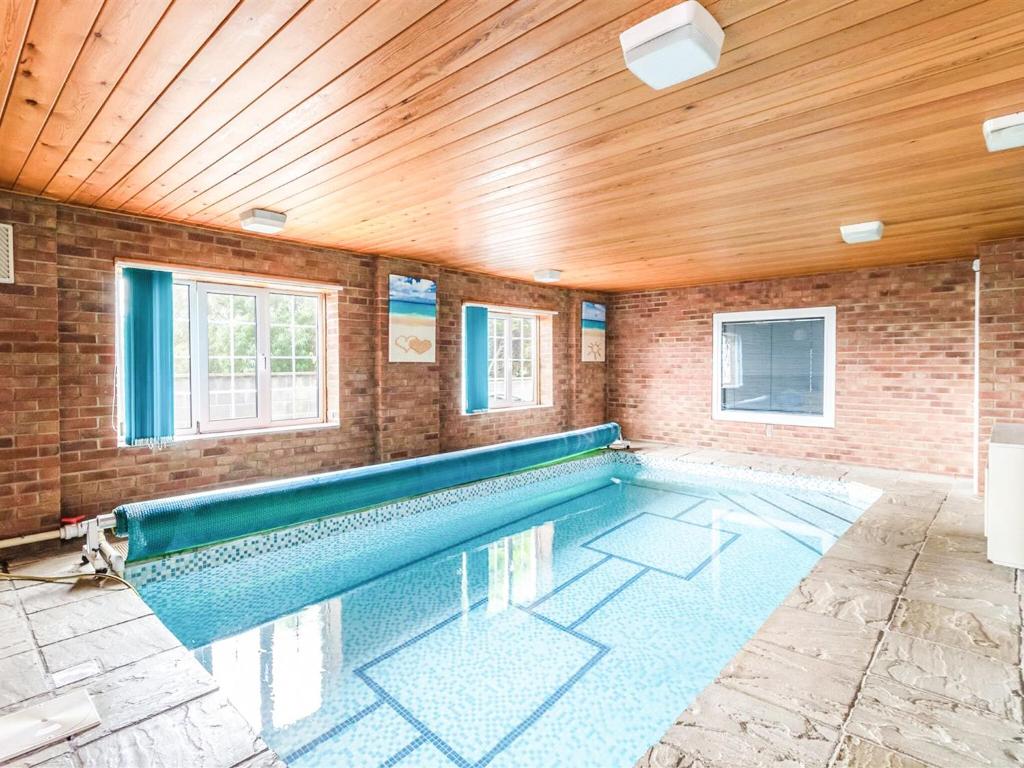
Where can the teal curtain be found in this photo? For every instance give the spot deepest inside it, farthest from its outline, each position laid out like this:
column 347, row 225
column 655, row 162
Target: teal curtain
column 148, row 356
column 474, row 368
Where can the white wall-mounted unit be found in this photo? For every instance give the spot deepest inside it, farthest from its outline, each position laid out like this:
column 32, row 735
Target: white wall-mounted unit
column 674, row 45
column 865, row 232
column 1004, row 495
column 264, row 222
column 6, row 253
column 1006, row 132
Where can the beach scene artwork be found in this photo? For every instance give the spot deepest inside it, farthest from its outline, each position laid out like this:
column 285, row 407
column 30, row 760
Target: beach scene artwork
column 593, row 332
column 412, row 319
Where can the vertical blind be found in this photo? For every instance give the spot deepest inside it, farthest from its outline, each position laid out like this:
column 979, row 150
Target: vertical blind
column 474, row 368
column 148, row 356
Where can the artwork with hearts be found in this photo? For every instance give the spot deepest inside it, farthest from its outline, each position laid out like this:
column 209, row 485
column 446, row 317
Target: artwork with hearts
column 593, row 332
column 412, row 319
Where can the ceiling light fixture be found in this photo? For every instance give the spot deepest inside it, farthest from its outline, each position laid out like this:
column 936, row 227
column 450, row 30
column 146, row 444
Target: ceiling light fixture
column 264, row 222
column 865, row 232
column 547, row 275
column 674, row 45
column 1006, row 132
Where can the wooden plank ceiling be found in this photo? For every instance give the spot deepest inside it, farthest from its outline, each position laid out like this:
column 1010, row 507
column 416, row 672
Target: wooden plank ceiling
column 505, row 136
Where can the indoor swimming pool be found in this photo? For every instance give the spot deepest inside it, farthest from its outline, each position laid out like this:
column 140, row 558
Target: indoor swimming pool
column 565, row 619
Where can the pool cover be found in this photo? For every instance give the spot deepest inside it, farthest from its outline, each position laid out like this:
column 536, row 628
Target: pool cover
column 164, row 526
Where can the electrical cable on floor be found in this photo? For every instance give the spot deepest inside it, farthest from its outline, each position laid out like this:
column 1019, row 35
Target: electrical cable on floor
column 74, row 576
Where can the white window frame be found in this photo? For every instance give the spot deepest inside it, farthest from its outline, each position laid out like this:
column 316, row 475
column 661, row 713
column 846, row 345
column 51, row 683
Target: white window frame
column 827, row 418
column 193, row 367
column 534, row 320
column 200, row 363
column 199, row 284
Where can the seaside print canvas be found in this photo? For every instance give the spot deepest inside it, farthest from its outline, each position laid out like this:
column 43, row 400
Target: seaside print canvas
column 412, row 319
column 593, row 332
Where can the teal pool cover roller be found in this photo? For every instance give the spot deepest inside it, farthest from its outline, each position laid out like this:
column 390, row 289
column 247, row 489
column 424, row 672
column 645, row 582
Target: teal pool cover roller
column 163, row 526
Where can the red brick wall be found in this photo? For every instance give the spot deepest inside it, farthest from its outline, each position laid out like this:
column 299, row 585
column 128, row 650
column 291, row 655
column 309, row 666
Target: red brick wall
column 96, row 474
column 420, row 406
column 29, row 397
column 574, row 382
column 904, row 377
column 903, row 395
column 1001, row 337
column 58, row 444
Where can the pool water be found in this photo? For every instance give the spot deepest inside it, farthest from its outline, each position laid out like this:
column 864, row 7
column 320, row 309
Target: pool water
column 572, row 633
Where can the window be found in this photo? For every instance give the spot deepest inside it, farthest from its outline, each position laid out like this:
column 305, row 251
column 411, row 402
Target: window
column 776, row 366
column 253, row 358
column 507, row 356
column 246, row 356
column 512, row 360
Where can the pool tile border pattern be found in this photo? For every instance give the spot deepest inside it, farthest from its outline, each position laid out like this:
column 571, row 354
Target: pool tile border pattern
column 901, row 633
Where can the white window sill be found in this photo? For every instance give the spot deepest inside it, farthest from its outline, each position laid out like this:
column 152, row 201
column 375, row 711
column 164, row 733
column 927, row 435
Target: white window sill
column 776, row 418
column 510, row 409
column 189, row 438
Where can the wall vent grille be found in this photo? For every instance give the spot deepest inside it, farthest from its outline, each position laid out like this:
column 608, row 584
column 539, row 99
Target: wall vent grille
column 6, row 253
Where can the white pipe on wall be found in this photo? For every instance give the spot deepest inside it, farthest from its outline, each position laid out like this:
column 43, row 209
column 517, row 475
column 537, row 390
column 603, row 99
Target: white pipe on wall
column 30, row 538
column 976, row 265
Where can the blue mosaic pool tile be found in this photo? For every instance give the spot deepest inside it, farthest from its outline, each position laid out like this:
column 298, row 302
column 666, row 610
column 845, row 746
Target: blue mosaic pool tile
column 790, row 523
column 577, row 597
column 815, row 514
column 401, row 755
column 425, row 755
column 705, row 478
column 652, row 668
column 676, row 547
column 477, row 678
column 755, row 573
column 840, row 509
column 368, row 741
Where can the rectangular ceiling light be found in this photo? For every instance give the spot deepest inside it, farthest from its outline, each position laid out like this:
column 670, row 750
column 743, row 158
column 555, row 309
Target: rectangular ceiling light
column 547, row 275
column 264, row 222
column 674, row 45
column 865, row 232
column 1006, row 132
